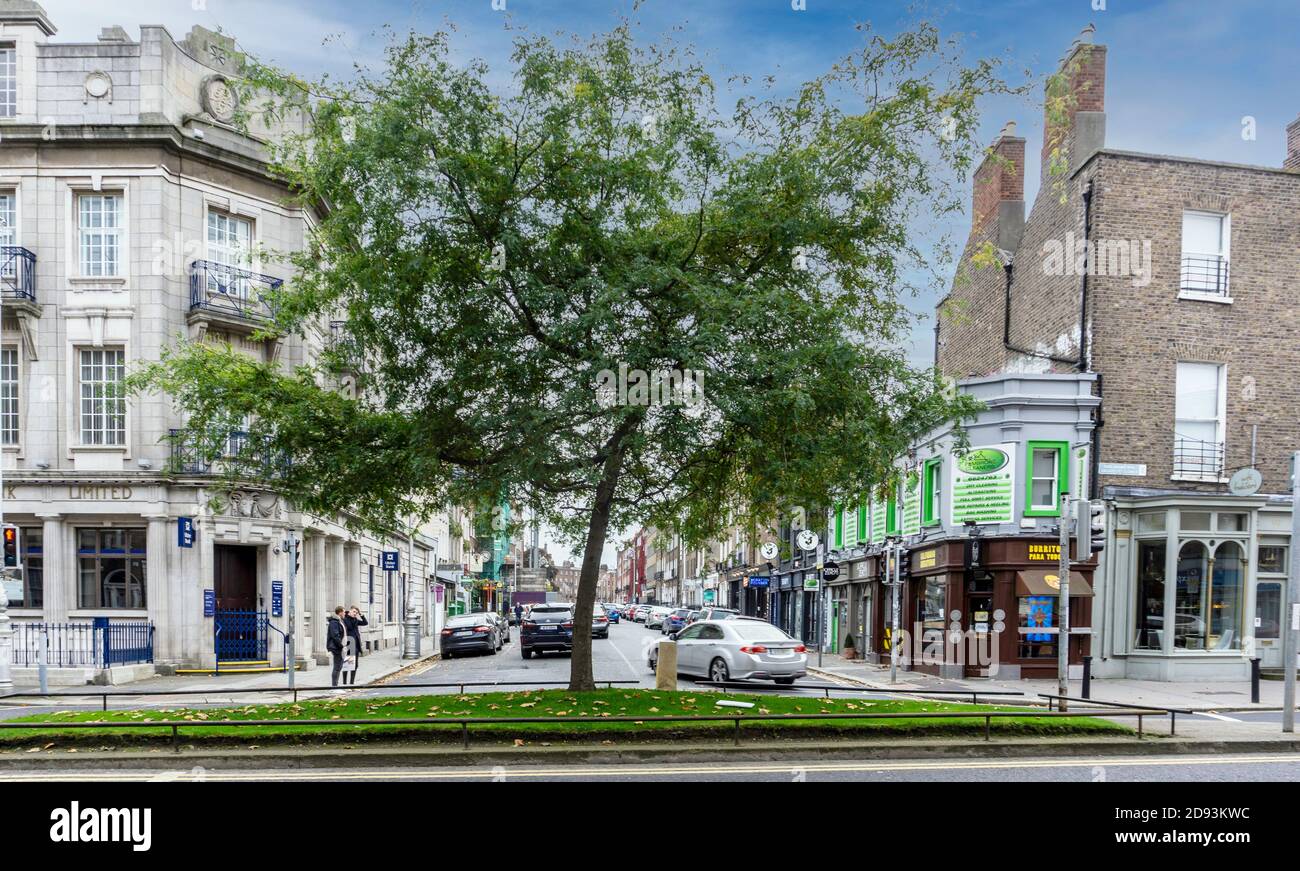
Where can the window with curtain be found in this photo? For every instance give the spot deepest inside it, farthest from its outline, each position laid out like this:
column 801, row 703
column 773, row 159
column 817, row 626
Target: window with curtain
column 1205, row 253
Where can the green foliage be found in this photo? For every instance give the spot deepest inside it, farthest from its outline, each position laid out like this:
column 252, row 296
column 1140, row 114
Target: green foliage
column 492, row 251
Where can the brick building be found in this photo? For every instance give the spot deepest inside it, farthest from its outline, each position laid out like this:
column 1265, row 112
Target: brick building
column 1171, row 279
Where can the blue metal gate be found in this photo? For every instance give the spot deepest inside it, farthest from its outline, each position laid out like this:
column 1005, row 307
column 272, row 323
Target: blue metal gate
column 240, row 636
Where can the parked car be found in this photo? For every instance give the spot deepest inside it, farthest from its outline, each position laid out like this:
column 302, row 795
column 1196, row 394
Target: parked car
column 694, row 617
column 612, row 611
column 599, row 622
column 498, row 624
column 548, row 627
column 719, row 614
column 675, row 620
column 641, row 614
column 739, row 648
column 655, row 618
column 464, row 633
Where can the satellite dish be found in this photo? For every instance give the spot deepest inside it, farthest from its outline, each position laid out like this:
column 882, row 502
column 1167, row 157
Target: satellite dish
column 1245, row 482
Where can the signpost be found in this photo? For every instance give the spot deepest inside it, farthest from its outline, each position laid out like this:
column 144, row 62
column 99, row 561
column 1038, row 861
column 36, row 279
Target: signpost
column 185, row 532
column 1291, row 616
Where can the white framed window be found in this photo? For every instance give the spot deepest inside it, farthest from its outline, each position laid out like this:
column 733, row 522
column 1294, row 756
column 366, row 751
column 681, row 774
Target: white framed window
column 1199, row 421
column 8, row 81
column 99, row 235
column 8, row 218
column 9, row 431
column 229, row 243
column 1204, row 269
column 103, row 405
column 1044, row 475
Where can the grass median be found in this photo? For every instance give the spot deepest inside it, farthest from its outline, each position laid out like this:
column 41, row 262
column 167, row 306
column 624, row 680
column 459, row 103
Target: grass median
column 579, row 716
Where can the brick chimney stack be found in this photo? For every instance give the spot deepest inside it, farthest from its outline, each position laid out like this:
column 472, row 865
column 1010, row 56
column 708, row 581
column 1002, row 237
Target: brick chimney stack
column 1292, row 160
column 1082, row 128
column 998, row 201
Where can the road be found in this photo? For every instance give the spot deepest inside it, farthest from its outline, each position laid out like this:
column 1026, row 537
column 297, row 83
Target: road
column 1188, row 769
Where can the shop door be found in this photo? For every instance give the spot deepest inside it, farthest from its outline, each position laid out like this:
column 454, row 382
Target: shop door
column 979, row 622
column 866, row 622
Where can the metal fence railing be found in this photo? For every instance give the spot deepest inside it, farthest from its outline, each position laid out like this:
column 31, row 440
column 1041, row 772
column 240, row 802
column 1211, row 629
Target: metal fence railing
column 1204, row 273
column 192, row 453
column 17, row 273
column 99, row 643
column 465, row 722
column 1194, row 458
column 232, row 291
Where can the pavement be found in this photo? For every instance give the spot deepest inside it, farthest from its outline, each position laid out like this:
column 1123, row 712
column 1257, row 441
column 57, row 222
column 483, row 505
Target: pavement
column 207, row 689
column 1214, row 697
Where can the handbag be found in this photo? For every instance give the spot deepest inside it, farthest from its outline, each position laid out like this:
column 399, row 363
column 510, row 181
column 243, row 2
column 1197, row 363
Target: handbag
column 349, row 653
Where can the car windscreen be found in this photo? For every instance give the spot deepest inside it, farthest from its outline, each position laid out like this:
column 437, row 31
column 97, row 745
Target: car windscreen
column 756, row 631
column 680, row 613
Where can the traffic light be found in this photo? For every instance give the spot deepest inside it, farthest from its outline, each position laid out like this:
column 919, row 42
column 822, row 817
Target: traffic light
column 1089, row 528
column 11, row 547
column 904, row 565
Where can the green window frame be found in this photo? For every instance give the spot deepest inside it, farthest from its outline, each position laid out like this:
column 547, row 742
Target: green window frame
column 891, row 516
column 862, row 523
column 839, row 527
column 1062, row 451
column 931, row 491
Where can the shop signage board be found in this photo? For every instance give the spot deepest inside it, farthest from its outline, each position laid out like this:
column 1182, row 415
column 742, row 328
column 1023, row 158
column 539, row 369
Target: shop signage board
column 831, row 571
column 878, row 510
column 708, row 597
column 927, row 559
column 1045, row 552
column 277, row 598
column 388, row 560
column 209, row 603
column 983, row 485
column 185, row 532
column 912, row 504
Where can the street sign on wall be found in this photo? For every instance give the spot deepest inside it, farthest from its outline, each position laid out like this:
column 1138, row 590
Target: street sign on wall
column 209, row 603
column 185, row 532
column 277, row 598
column 388, row 560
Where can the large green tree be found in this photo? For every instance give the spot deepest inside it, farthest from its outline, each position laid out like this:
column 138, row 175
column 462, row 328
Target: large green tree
column 498, row 250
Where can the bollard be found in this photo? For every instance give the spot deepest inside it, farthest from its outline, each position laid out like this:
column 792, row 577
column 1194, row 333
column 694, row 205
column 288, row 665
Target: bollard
column 666, row 666
column 1087, row 677
column 1254, row 680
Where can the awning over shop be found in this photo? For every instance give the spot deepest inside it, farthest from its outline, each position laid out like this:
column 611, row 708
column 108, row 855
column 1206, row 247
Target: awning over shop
column 1043, row 582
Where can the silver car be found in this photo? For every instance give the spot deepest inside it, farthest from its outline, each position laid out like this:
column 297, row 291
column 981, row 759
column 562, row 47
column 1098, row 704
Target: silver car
column 741, row 648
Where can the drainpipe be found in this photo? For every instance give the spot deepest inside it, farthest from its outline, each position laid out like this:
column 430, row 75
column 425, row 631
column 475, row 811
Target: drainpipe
column 1085, row 335
column 1006, row 325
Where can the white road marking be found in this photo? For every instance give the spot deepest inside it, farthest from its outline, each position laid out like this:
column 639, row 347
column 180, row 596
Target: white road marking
column 1217, row 717
column 620, row 770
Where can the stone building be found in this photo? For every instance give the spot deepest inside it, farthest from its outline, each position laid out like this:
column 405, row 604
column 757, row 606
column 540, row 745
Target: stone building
column 131, row 210
column 1171, row 279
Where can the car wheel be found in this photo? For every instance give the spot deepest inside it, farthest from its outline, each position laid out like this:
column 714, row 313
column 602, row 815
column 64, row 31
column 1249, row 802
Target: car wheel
column 718, row 672
column 525, row 652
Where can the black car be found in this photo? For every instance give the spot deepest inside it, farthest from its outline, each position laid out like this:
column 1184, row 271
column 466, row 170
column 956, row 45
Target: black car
column 467, row 632
column 547, row 627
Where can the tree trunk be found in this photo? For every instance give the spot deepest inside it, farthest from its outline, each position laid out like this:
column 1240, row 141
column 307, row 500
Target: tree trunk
column 580, row 671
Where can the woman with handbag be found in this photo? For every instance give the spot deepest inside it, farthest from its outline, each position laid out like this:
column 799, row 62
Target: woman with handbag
column 353, row 620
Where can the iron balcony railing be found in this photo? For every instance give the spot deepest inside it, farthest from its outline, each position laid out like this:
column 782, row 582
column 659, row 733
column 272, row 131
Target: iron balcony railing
column 17, row 273
column 1194, row 458
column 100, row 643
column 1204, row 274
column 232, row 291
column 195, row 455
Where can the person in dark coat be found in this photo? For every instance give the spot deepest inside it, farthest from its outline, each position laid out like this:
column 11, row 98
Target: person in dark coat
column 336, row 637
column 353, row 620
column 519, row 613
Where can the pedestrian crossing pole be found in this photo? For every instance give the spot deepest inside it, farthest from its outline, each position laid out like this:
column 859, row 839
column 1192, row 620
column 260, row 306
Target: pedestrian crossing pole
column 1063, row 606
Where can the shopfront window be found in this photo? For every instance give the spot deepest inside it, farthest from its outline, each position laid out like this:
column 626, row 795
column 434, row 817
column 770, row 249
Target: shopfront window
column 1150, row 604
column 1272, row 559
column 1190, row 597
column 1227, row 597
column 933, row 605
column 111, row 568
column 1037, row 613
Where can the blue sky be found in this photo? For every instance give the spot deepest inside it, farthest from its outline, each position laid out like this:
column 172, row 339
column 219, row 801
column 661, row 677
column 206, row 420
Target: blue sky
column 1181, row 74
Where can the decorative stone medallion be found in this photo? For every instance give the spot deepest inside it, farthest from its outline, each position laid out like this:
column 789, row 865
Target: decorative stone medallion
column 218, row 98
column 98, row 85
